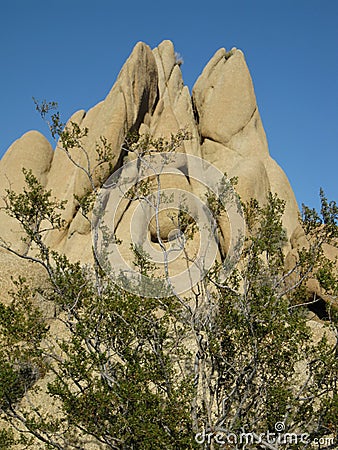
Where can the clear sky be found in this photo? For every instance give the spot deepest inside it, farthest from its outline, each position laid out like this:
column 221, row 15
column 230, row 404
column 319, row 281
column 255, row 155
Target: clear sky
column 71, row 52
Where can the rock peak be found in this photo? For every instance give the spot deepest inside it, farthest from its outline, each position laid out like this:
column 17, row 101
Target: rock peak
column 150, row 96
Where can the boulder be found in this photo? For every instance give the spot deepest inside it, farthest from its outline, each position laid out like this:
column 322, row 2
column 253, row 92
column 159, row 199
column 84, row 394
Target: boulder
column 224, row 96
column 232, row 133
column 33, row 152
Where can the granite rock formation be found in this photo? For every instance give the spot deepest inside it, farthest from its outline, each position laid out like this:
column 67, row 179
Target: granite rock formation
column 149, row 96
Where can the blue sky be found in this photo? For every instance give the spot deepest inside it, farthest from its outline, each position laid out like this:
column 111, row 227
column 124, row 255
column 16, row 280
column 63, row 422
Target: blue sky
column 71, row 52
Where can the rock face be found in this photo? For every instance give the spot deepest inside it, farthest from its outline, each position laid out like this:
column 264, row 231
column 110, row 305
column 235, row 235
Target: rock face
column 32, row 151
column 125, row 107
column 232, row 134
column 149, row 96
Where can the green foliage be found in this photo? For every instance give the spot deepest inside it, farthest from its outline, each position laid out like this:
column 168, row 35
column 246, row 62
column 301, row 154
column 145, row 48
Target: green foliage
column 257, row 339
column 117, row 351
column 71, row 139
column 6, row 439
column 145, row 144
column 22, row 328
column 34, row 209
column 326, row 222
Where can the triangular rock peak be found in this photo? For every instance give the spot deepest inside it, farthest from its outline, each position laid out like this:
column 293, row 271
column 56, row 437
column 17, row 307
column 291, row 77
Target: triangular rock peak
column 149, row 96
